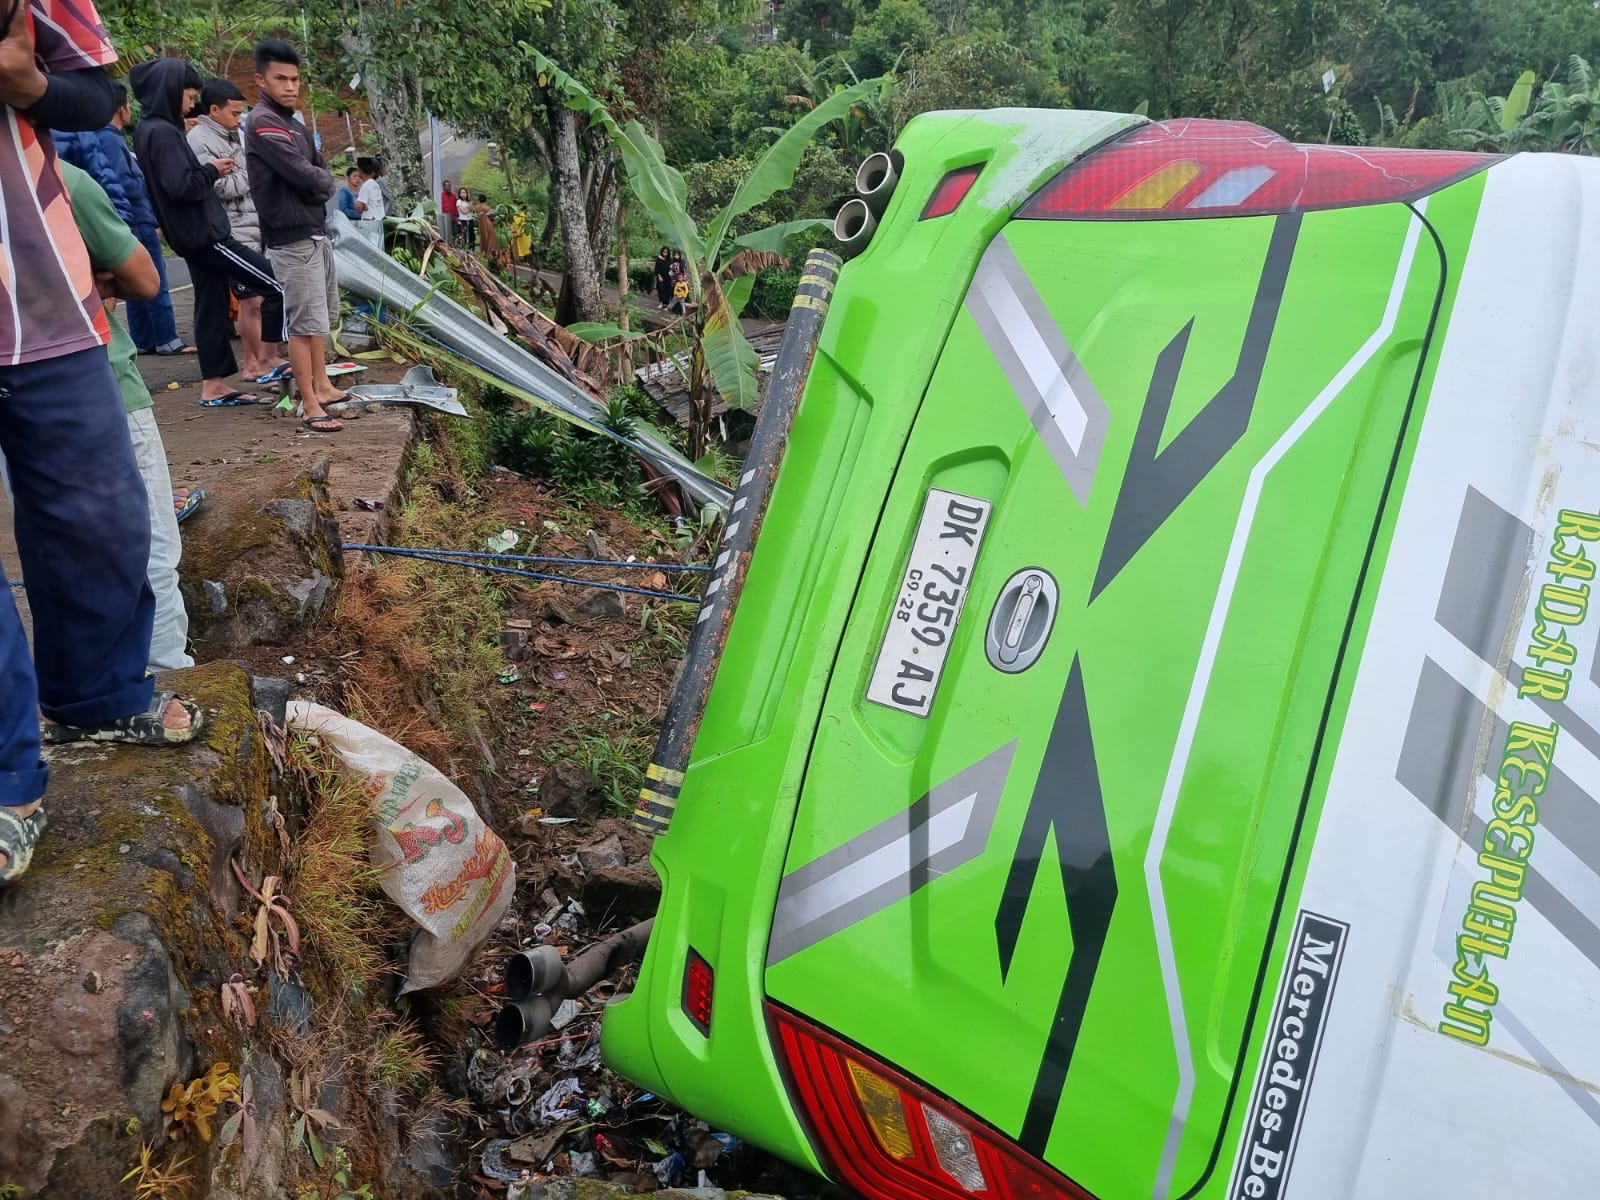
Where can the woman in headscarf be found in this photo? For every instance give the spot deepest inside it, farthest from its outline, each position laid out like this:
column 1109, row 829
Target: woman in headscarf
column 487, row 245
column 664, row 277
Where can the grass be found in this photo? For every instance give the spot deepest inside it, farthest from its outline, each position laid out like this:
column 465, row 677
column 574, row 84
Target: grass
column 400, row 1059
column 343, row 914
column 424, row 637
column 616, row 764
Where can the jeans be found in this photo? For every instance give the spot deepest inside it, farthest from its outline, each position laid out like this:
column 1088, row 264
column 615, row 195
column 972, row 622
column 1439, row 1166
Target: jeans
column 170, row 636
column 83, row 533
column 151, row 321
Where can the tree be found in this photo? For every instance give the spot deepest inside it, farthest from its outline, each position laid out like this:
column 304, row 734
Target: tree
column 720, row 263
column 1569, row 113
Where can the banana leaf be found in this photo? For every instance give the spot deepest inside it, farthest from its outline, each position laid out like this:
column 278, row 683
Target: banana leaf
column 730, row 356
column 775, row 169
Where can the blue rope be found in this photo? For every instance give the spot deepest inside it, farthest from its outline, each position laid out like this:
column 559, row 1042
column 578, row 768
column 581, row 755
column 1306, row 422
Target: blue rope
column 427, row 556
column 533, row 558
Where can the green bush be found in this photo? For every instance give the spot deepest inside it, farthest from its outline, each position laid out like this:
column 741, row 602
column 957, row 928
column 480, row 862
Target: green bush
column 772, row 294
column 591, row 466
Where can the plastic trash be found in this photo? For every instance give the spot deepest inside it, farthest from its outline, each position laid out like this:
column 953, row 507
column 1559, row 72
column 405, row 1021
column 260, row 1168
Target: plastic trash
column 438, row 860
column 561, row 1100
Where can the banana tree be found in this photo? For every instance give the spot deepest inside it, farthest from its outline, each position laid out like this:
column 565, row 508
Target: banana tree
column 1571, row 110
column 721, row 265
column 1502, row 122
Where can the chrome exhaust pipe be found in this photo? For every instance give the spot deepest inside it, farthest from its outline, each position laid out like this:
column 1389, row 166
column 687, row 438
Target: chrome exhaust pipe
column 877, row 178
column 854, row 226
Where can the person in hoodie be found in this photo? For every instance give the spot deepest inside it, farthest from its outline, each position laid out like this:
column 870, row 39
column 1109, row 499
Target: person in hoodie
column 80, row 510
column 292, row 186
column 197, row 225
column 214, row 137
column 105, row 157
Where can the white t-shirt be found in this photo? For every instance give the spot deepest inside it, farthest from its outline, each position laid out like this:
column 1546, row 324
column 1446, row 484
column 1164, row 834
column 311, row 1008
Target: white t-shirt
column 372, row 196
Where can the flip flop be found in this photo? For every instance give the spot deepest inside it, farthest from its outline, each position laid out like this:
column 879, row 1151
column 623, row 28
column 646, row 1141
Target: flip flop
column 168, row 350
column 231, row 400
column 18, row 837
column 147, row 728
column 319, row 424
column 191, row 503
column 274, row 375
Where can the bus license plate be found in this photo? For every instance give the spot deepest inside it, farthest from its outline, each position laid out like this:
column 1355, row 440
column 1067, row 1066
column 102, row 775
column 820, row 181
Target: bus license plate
column 928, row 607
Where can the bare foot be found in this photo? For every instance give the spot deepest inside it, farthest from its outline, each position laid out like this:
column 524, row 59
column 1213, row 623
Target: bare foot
column 25, row 810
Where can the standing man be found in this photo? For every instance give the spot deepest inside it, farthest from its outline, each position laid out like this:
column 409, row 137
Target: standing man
column 81, row 515
column 215, row 137
column 151, row 322
column 292, row 186
column 370, row 202
column 347, row 194
column 381, row 174
column 197, row 225
column 450, row 209
column 105, row 157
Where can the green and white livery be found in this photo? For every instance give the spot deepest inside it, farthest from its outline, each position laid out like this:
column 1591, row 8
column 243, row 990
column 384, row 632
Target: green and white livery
column 1156, row 749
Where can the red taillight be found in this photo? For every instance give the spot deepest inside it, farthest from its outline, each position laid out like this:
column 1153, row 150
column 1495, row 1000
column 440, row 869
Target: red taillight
column 952, row 190
column 698, row 981
column 890, row 1138
column 1195, row 168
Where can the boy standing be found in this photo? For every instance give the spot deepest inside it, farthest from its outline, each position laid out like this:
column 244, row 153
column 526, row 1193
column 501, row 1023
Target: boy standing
column 114, row 249
column 292, row 185
column 197, row 225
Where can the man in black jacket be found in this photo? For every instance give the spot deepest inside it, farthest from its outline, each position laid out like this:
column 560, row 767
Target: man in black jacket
column 196, row 224
column 291, row 185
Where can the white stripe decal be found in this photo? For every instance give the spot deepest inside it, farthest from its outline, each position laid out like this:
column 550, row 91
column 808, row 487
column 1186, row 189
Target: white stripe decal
column 1202, row 681
column 1055, row 393
column 269, row 280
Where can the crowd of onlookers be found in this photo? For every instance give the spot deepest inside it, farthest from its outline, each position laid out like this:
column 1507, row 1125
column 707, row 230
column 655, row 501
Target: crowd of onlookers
column 243, row 198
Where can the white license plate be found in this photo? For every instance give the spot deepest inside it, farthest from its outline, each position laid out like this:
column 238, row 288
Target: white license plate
column 932, row 592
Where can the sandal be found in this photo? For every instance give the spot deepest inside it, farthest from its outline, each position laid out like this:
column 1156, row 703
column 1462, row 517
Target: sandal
column 18, row 837
column 186, row 504
column 231, row 400
column 322, row 424
column 146, row 728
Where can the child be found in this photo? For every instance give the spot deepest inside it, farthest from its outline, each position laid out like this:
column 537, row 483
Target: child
column 115, row 252
column 680, row 297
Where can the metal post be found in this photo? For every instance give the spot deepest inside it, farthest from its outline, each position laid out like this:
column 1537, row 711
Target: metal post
column 436, row 186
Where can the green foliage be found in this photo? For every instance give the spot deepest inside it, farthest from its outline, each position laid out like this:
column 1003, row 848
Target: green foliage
column 589, row 465
column 616, row 767
column 773, row 294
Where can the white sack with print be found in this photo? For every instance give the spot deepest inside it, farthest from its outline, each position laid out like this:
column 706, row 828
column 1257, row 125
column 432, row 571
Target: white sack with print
column 448, row 870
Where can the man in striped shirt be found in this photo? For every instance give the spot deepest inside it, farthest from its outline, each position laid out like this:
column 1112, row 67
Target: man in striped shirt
column 81, row 516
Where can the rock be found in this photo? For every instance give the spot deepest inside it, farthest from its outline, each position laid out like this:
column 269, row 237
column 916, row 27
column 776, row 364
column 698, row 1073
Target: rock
column 598, row 547
column 260, row 576
column 607, row 852
column 622, row 893
column 564, row 789
column 270, row 696
column 598, row 603
column 113, row 951
column 560, row 613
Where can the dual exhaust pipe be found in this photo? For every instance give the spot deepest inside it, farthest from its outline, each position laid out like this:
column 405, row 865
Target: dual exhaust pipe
column 857, row 219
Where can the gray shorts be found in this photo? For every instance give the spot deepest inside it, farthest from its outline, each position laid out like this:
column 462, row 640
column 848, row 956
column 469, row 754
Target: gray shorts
column 310, row 285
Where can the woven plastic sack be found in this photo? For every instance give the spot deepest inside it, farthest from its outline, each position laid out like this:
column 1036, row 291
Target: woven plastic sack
column 440, row 862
